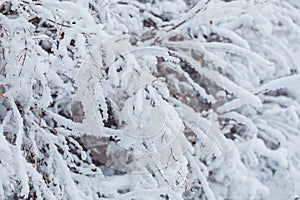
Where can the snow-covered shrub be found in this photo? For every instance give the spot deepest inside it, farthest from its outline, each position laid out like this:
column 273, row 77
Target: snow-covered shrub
column 142, row 99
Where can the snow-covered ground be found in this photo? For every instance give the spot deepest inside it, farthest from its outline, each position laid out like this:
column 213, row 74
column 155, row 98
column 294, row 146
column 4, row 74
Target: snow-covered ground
column 150, row 99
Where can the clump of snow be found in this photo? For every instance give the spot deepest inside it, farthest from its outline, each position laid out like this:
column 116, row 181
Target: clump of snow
column 146, row 99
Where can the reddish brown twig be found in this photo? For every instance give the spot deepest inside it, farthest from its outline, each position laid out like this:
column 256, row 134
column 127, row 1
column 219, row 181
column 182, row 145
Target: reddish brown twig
column 61, row 24
column 186, row 20
column 3, row 85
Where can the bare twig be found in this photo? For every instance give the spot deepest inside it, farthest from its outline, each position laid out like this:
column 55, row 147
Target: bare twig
column 3, row 85
column 190, row 17
column 61, row 24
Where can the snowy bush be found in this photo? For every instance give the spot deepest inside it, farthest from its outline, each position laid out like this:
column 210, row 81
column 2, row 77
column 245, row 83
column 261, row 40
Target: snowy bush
column 142, row 99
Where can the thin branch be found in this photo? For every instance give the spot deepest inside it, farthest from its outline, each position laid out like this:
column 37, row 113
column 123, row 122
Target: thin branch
column 191, row 15
column 61, row 24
